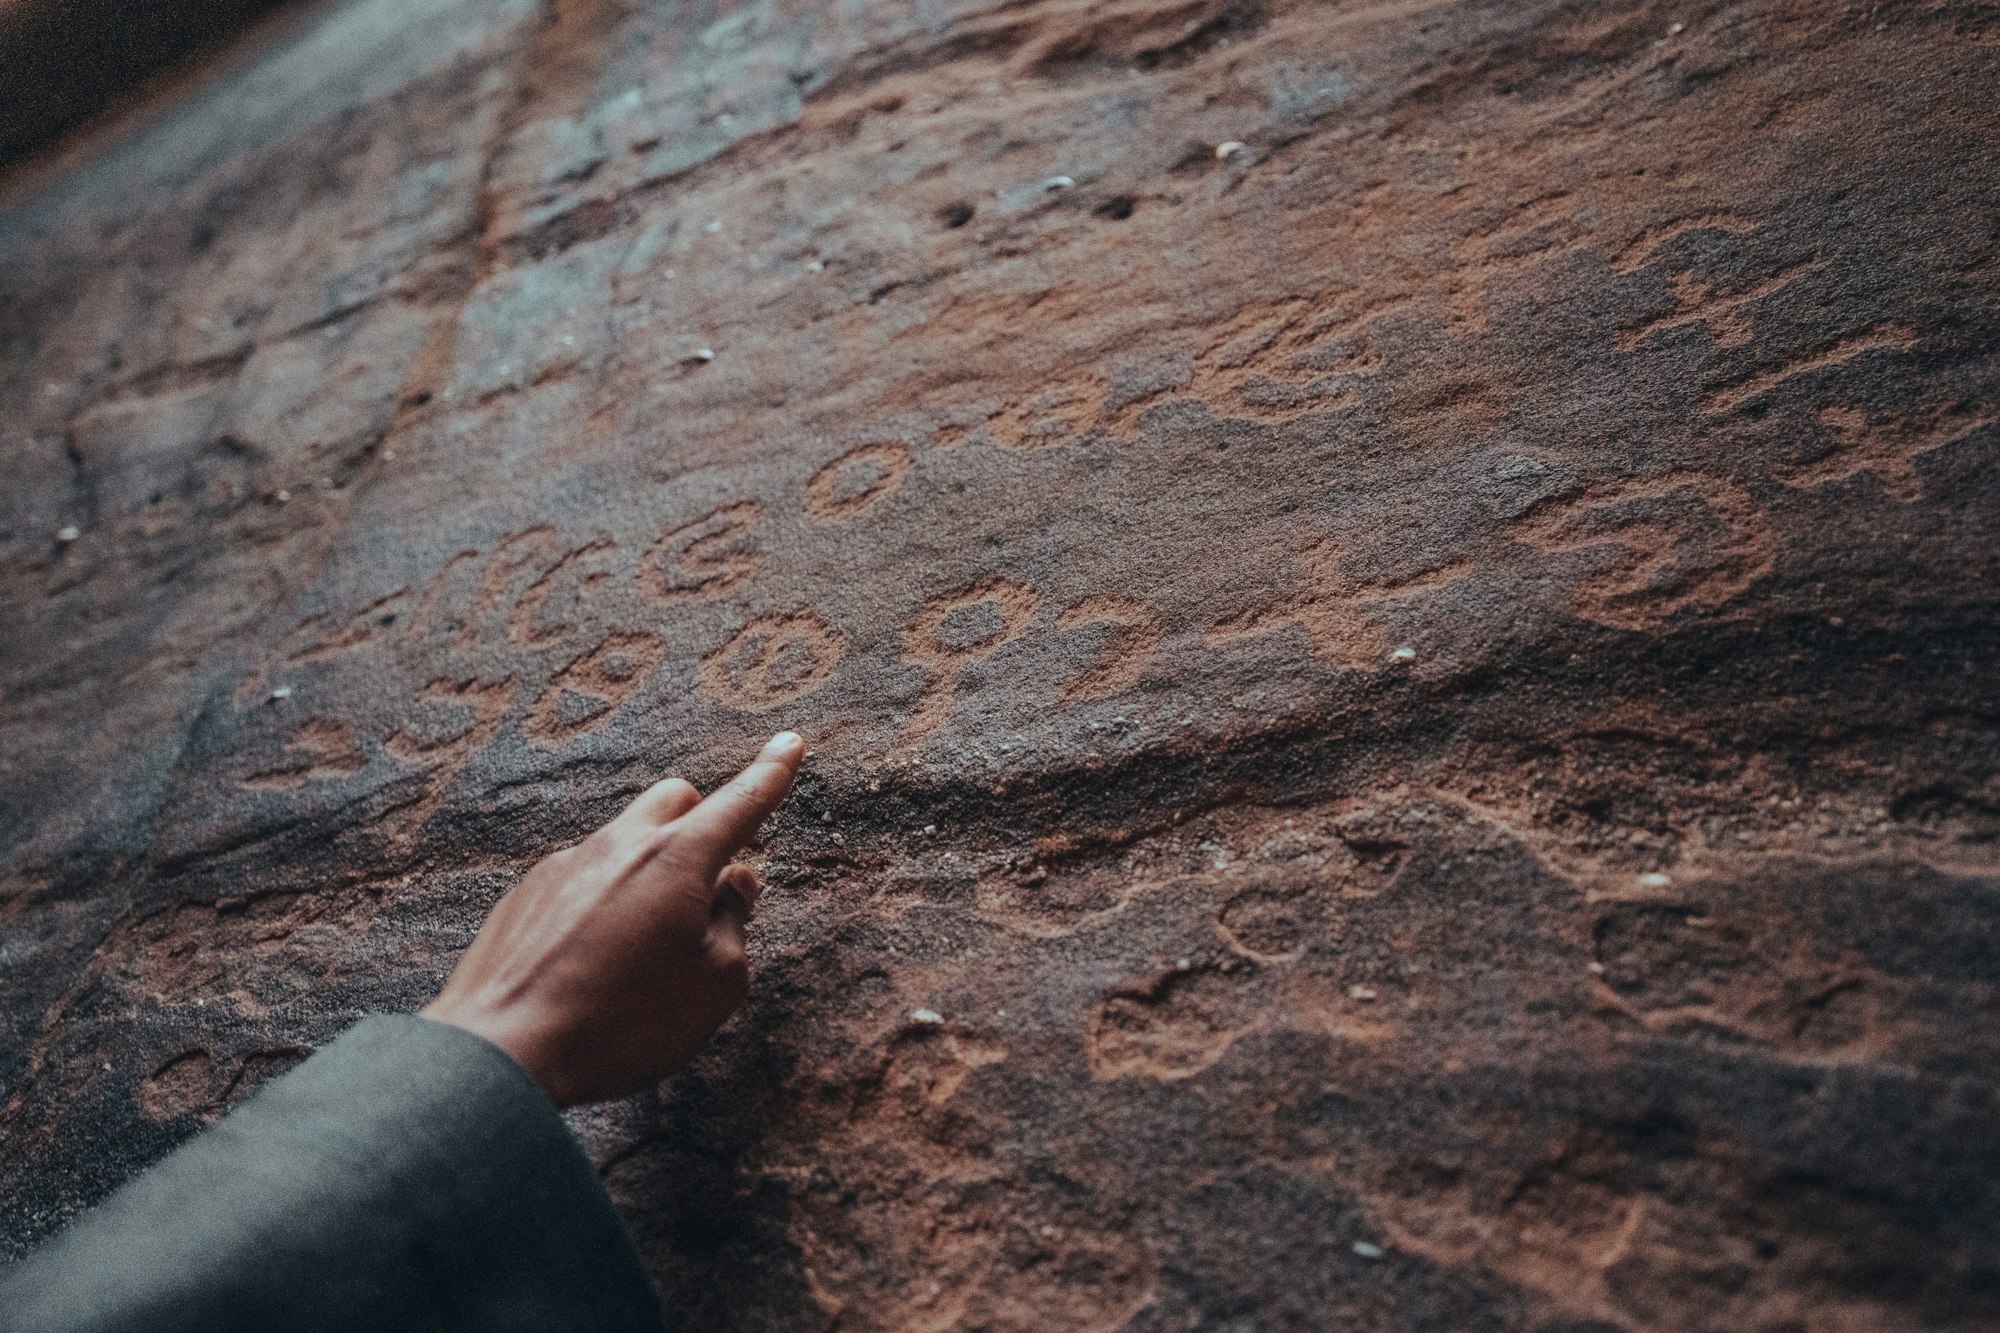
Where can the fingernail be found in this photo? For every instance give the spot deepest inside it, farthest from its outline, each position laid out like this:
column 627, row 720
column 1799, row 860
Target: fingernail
column 781, row 745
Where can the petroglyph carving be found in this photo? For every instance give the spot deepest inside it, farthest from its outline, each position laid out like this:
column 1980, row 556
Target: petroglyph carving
column 926, row 1067
column 1889, row 449
column 954, row 630
column 1656, row 547
column 1275, row 362
column 322, row 747
column 527, row 627
column 1055, row 416
column 1044, row 904
column 1535, row 233
column 196, row 1083
column 1264, row 924
column 424, row 620
column 1883, row 338
column 248, row 957
column 510, row 559
column 462, row 715
column 1324, row 606
column 1170, row 1028
column 1278, row 363
column 1649, row 243
column 1136, row 634
column 189, row 1082
column 310, row 641
column 705, row 558
column 1725, row 314
column 773, row 660
column 857, row 480
column 587, row 693
column 376, row 618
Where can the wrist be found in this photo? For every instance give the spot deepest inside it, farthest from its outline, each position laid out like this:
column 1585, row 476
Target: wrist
column 510, row 1041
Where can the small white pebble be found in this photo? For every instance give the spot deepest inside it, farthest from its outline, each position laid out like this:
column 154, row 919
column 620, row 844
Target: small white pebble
column 282, row 692
column 713, row 226
column 839, row 839
column 1048, row 1230
column 107, row 1066
column 999, row 1013
column 1403, row 655
column 1367, row 1250
column 569, row 340
column 1057, row 183
column 68, row 535
column 929, row 829
column 1653, row 879
column 388, row 455
column 1182, row 964
column 704, row 354
column 282, row 497
column 928, row 1017
column 815, row 266
column 1226, row 150
column 1360, row 993
column 875, row 784
column 1676, row 29
column 1596, row 968
column 201, row 1004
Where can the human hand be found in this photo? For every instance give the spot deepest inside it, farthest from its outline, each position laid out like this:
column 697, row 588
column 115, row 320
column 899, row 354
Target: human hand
column 611, row 963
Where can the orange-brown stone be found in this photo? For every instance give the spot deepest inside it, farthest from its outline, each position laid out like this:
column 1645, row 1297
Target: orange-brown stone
column 1395, row 607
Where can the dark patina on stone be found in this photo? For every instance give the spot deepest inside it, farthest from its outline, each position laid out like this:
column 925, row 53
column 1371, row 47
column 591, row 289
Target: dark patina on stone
column 1395, row 607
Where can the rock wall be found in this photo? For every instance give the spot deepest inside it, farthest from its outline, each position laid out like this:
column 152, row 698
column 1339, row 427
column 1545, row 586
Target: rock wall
column 1395, row 605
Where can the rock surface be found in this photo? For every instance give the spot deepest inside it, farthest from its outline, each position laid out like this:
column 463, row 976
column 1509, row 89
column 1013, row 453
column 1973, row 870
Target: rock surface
column 1395, row 605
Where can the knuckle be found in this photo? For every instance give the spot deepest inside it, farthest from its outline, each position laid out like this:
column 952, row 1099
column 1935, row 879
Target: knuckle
column 667, row 843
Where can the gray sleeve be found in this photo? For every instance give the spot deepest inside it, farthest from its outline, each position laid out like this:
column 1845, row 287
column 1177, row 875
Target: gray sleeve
column 409, row 1176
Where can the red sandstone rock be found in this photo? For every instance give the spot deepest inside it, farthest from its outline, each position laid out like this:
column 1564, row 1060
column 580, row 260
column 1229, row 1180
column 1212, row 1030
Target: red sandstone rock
column 1423, row 683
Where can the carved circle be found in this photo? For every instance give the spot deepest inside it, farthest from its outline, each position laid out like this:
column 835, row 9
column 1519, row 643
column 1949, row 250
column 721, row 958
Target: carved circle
column 773, row 660
column 602, row 678
column 856, row 480
column 939, row 633
column 704, row 558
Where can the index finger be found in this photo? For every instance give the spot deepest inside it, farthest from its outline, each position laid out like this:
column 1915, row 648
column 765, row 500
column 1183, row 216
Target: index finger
column 725, row 822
